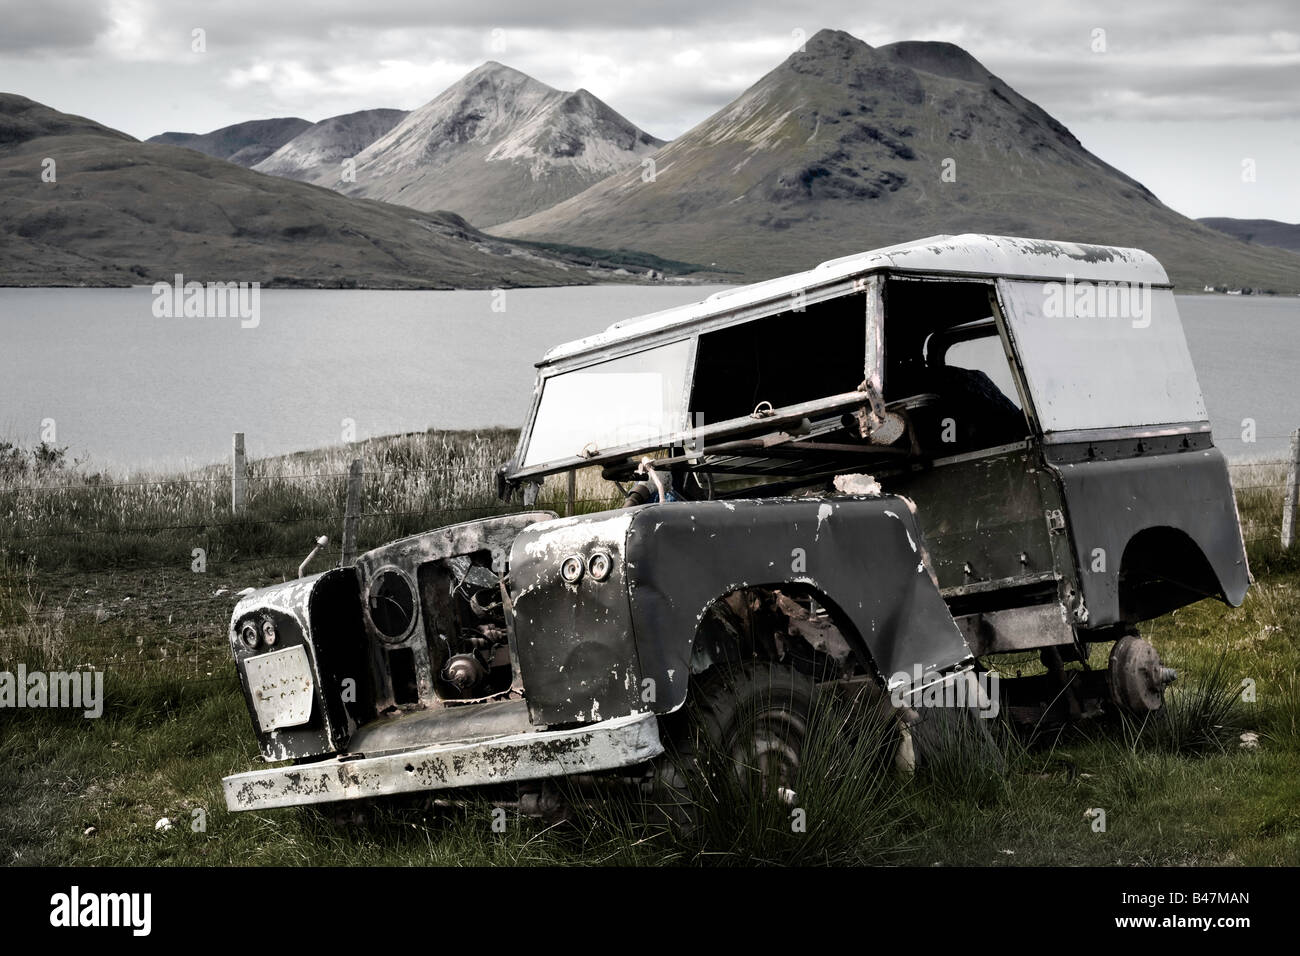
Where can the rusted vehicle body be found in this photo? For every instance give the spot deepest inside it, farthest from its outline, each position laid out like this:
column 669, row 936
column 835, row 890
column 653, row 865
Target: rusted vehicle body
column 881, row 470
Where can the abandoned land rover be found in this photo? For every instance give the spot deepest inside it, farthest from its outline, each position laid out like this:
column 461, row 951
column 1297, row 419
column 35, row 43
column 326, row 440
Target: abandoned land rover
column 883, row 470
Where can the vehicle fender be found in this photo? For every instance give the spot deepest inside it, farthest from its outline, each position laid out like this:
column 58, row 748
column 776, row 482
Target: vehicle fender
column 865, row 553
column 1109, row 502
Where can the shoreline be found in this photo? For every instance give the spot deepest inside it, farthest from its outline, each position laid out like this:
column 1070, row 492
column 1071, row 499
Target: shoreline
column 143, row 474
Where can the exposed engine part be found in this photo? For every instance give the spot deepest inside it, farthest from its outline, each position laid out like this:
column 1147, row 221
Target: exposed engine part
column 466, row 572
column 486, row 603
column 466, row 673
column 476, row 639
column 785, row 626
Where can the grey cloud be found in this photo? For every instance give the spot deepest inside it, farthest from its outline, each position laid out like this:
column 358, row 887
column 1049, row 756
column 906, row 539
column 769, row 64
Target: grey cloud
column 50, row 25
column 1041, row 49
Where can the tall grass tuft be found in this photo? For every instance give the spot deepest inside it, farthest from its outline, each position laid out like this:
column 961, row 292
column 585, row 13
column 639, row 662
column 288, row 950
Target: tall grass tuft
column 845, row 805
column 966, row 757
column 1198, row 718
column 68, row 517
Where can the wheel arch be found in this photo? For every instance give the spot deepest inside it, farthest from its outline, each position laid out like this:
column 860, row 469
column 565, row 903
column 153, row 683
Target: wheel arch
column 796, row 590
column 1163, row 568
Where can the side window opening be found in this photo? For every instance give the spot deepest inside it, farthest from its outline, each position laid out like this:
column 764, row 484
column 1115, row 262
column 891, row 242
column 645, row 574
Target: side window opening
column 980, row 353
column 944, row 356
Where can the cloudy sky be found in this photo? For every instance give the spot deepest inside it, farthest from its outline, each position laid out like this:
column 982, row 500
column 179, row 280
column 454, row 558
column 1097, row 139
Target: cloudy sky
column 1177, row 93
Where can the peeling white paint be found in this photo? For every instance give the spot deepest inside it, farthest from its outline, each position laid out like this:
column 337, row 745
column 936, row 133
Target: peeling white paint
column 559, row 538
column 969, row 253
column 824, row 511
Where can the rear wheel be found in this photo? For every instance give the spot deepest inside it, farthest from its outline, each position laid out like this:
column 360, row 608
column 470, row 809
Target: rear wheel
column 1137, row 677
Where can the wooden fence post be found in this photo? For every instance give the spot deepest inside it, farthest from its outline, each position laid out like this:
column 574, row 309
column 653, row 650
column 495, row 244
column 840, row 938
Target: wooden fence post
column 1292, row 502
column 569, row 506
column 352, row 516
column 238, row 475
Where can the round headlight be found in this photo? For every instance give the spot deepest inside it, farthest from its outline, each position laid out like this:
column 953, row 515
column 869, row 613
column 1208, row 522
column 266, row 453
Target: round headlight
column 248, row 635
column 571, row 569
column 599, row 565
column 268, row 632
column 392, row 605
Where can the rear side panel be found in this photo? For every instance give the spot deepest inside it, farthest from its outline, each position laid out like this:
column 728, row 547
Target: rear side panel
column 1179, row 500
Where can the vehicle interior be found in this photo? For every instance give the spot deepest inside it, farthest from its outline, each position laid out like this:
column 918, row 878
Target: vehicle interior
column 943, row 350
column 946, row 377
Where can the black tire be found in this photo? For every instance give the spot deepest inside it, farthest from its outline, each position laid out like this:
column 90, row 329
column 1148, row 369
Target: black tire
column 748, row 722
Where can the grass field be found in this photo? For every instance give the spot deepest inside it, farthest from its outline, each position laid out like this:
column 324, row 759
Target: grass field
column 98, row 572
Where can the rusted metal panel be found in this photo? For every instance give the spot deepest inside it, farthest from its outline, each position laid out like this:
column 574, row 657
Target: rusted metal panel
column 536, row 755
column 865, row 555
column 1182, row 498
column 983, row 516
column 574, row 637
column 589, row 649
column 321, row 616
column 1016, row 629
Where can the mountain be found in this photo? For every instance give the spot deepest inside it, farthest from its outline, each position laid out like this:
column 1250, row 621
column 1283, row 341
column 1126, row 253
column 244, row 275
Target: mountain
column 844, row 147
column 320, row 148
column 497, row 145
column 1264, row 232
column 245, row 144
column 123, row 212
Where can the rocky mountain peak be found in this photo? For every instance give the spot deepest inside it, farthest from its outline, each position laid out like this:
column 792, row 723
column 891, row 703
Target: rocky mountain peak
column 495, row 143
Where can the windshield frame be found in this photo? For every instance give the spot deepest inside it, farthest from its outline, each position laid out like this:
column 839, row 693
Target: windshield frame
column 691, row 435
column 591, row 361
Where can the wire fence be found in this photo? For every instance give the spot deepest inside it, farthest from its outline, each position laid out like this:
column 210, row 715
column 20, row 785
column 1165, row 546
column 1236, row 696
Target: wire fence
column 81, row 485
column 178, row 627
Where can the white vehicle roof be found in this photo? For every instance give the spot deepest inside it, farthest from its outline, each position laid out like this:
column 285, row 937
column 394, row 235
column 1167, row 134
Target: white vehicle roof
column 969, row 254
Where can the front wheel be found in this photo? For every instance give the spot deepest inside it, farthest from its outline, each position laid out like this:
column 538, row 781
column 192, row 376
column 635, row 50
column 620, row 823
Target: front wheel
column 741, row 726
